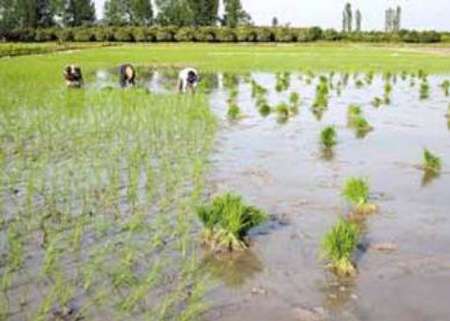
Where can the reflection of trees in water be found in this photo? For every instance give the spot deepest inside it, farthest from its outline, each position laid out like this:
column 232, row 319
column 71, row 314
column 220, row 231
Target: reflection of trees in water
column 233, row 269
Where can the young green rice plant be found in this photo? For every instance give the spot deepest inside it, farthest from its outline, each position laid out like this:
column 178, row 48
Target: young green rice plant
column 359, row 83
column 353, row 112
column 233, row 111
column 338, row 246
column 227, row 220
column 283, row 110
column 424, row 90
column 403, row 75
column 294, row 98
column 387, row 88
column 369, row 78
column 431, row 162
column 377, row 102
column 356, row 191
column 361, row 126
column 328, row 137
column 446, row 87
column 265, row 110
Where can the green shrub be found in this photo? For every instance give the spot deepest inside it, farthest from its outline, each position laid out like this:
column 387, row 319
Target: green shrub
column 44, row 35
column 246, row 34
column 331, row 35
column 165, row 34
column 205, row 34
column 338, row 246
column 264, row 35
column 65, row 35
column 356, row 191
column 226, row 35
column 84, row 35
column 227, row 220
column 284, row 35
column 123, row 35
column 104, row 34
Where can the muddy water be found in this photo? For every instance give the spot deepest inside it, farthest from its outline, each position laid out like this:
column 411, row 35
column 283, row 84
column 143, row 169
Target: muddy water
column 280, row 168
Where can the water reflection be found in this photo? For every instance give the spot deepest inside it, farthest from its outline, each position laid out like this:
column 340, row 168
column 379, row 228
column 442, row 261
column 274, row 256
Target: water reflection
column 234, row 270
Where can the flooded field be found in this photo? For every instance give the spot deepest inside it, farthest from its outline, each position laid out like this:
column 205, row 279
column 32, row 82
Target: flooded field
column 278, row 164
column 98, row 197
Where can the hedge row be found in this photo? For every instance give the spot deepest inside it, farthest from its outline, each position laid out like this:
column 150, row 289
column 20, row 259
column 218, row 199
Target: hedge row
column 212, row 34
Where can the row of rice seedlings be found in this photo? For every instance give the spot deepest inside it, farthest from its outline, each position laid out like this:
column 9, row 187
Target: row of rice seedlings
column 339, row 244
column 259, row 93
column 63, row 201
column 226, row 222
column 320, row 103
column 356, row 120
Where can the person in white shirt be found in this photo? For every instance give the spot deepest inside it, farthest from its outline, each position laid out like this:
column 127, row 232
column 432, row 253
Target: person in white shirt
column 187, row 80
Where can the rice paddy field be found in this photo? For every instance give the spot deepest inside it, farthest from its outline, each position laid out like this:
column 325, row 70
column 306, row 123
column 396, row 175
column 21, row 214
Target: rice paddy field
column 299, row 183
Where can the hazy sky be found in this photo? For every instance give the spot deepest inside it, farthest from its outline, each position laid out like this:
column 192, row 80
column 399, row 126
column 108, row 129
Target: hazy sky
column 417, row 14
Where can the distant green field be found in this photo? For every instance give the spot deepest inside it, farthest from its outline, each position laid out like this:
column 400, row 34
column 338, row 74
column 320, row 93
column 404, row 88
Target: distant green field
column 245, row 57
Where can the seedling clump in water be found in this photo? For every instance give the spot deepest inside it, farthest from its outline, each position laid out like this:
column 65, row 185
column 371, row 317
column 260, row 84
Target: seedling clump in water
column 338, row 246
column 356, row 191
column 446, row 87
column 227, row 220
column 431, row 163
column 424, row 90
column 233, row 111
column 328, row 137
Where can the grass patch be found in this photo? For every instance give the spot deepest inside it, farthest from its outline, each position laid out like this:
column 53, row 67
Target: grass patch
column 338, row 245
column 227, row 220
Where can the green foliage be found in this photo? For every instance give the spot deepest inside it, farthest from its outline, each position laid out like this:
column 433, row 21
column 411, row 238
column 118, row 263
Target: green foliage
column 356, row 191
column 235, row 15
column 446, row 87
column 233, row 111
column 328, row 137
column 431, row 162
column 353, row 112
column 338, row 246
column 227, row 221
column 424, row 90
column 78, row 12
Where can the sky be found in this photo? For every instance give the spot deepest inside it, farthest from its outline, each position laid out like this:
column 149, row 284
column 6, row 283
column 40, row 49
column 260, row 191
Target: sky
column 417, row 14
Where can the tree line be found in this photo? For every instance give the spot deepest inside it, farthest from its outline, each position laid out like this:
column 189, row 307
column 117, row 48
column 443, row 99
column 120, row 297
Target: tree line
column 21, row 14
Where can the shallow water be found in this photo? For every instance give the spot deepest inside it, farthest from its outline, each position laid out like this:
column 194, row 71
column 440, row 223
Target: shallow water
column 280, row 168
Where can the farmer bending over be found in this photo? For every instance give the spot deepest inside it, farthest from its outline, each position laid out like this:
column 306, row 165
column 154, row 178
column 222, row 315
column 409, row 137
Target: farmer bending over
column 187, row 80
column 73, row 76
column 127, row 76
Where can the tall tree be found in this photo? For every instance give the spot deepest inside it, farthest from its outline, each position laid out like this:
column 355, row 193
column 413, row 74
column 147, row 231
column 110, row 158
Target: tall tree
column 205, row 12
column 274, row 22
column 78, row 12
column 135, row 12
column 235, row 15
column 358, row 19
column 174, row 12
column 349, row 14
column 344, row 21
column 397, row 20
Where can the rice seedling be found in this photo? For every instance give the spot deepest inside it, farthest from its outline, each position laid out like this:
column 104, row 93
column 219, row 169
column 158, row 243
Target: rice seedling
column 446, row 87
column 338, row 246
column 361, row 126
column 356, row 191
column 265, row 110
column 377, row 102
column 294, row 98
column 328, row 137
column 387, row 89
column 424, row 90
column 227, row 220
column 431, row 162
column 353, row 112
column 283, row 110
column 359, row 84
column 403, row 75
column 233, row 111
column 369, row 78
